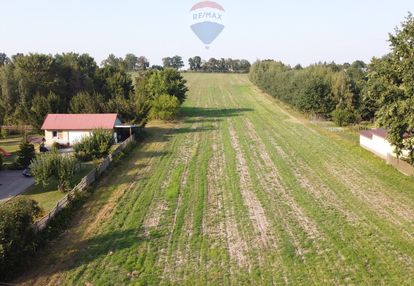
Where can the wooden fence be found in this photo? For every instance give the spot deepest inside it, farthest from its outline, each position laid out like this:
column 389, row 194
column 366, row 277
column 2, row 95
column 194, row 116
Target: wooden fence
column 86, row 181
column 400, row 165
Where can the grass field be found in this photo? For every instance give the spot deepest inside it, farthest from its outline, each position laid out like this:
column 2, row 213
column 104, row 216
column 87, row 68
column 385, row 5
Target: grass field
column 11, row 145
column 241, row 191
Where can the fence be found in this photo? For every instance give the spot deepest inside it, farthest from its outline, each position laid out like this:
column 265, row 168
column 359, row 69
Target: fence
column 86, row 181
column 400, row 165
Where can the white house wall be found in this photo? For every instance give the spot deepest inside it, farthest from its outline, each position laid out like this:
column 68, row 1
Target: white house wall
column 378, row 145
column 383, row 146
column 76, row 136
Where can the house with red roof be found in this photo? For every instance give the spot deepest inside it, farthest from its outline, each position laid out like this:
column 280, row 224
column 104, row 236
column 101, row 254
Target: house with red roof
column 67, row 129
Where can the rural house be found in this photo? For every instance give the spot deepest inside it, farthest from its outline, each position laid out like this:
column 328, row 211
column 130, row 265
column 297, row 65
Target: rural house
column 375, row 140
column 68, row 129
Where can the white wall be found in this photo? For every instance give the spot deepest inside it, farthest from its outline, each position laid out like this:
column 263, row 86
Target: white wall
column 50, row 139
column 377, row 145
column 76, row 136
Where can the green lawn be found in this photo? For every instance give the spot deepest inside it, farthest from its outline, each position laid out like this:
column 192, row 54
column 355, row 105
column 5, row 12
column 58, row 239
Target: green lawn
column 242, row 191
column 10, row 144
column 48, row 196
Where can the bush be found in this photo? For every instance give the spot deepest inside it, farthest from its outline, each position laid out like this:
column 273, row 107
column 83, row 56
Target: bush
column 55, row 146
column 53, row 165
column 343, row 117
column 95, row 146
column 1, row 161
column 25, row 154
column 164, row 107
column 17, row 238
column 4, row 133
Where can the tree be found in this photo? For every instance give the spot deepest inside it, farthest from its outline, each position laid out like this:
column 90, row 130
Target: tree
column 17, row 237
column 53, row 165
column 298, row 67
column 25, row 154
column 35, row 84
column 83, row 102
column 142, row 63
column 168, row 81
column 131, row 62
column 95, row 146
column 164, row 107
column 112, row 61
column 4, row 59
column 42, row 106
column 114, row 82
column 167, row 62
column 157, row 67
column 9, row 93
column 391, row 85
column 177, row 62
column 195, row 63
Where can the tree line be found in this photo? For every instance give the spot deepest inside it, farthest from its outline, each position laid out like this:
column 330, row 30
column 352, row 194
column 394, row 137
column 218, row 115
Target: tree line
column 219, row 65
column 33, row 85
column 381, row 92
column 325, row 90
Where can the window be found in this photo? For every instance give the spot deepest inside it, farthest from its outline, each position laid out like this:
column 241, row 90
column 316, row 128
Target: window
column 57, row 134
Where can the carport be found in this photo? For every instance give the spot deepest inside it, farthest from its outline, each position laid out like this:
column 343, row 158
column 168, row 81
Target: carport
column 124, row 131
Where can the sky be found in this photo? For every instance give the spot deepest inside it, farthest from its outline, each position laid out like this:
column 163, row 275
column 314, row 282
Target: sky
column 293, row 31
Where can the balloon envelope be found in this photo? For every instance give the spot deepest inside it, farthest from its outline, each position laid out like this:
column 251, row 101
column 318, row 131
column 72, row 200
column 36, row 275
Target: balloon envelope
column 207, row 32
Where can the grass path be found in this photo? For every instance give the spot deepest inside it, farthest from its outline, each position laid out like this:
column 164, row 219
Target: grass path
column 241, row 191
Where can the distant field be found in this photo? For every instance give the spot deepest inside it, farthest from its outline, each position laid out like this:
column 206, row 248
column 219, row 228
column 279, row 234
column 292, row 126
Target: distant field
column 241, row 191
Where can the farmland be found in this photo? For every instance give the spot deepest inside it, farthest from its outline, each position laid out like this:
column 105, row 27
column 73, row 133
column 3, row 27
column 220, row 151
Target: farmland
column 239, row 191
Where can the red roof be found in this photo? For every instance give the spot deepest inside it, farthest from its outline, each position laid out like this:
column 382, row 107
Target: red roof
column 366, row 133
column 79, row 121
column 380, row 132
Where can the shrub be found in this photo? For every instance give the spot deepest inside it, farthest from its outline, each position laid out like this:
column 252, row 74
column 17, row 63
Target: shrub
column 4, row 133
column 1, row 161
column 95, row 146
column 17, row 238
column 25, row 154
column 164, row 107
column 55, row 146
column 343, row 117
column 53, row 165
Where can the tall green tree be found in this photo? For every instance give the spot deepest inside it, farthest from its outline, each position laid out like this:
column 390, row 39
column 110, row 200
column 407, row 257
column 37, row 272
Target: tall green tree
column 112, row 61
column 142, row 63
column 131, row 62
column 84, row 102
column 167, row 62
column 25, row 154
column 177, row 62
column 195, row 63
column 168, row 81
column 391, row 85
column 4, row 59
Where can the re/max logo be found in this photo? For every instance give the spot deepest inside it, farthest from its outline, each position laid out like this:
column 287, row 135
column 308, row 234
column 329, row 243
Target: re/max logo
column 207, row 15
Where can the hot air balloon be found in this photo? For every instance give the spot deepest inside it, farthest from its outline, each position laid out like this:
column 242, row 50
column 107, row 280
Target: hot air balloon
column 207, row 21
